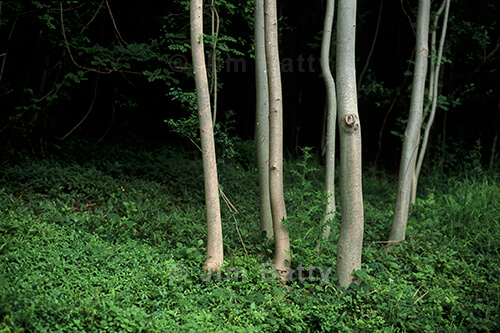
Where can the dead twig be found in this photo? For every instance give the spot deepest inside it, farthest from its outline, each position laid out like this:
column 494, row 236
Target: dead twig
column 417, row 291
column 421, row 297
column 231, row 207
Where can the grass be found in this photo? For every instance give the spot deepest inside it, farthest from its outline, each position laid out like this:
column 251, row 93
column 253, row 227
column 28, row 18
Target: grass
column 108, row 239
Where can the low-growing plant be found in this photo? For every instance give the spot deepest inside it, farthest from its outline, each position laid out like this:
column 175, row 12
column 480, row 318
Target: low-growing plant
column 115, row 241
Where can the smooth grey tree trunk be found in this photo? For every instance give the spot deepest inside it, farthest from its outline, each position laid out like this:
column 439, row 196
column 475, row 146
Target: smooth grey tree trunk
column 412, row 132
column 433, row 88
column 262, row 119
column 282, row 257
column 331, row 122
column 215, row 254
column 352, row 226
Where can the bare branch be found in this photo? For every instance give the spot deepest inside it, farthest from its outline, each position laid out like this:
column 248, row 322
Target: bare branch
column 93, row 17
column 69, row 51
column 373, row 45
column 117, row 32
column 88, row 112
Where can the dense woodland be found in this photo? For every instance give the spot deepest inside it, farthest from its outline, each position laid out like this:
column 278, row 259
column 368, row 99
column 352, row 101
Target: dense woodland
column 112, row 219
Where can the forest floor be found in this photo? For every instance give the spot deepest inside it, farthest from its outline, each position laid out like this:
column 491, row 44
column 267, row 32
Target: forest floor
column 112, row 239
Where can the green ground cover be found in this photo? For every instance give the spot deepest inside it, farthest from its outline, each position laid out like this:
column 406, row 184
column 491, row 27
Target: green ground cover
column 111, row 239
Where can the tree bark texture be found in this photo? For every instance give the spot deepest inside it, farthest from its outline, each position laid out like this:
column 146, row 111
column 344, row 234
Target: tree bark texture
column 412, row 132
column 214, row 229
column 331, row 122
column 262, row 119
column 282, row 255
column 352, row 225
column 433, row 88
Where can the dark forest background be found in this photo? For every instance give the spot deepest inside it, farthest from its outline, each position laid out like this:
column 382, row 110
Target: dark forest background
column 124, row 68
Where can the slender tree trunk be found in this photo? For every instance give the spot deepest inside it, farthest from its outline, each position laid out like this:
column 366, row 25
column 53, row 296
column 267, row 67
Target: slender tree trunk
column 215, row 35
column 330, row 120
column 214, row 229
column 262, row 119
column 493, row 151
column 412, row 132
column 351, row 230
column 433, row 85
column 282, row 256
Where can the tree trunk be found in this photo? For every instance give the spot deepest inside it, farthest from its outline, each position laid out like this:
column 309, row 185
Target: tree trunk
column 351, row 230
column 262, row 119
column 433, row 90
column 282, row 256
column 412, row 132
column 331, row 122
column 214, row 229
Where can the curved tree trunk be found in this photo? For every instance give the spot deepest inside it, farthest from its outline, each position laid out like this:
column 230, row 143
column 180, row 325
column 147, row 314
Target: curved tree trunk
column 351, row 231
column 412, row 132
column 433, row 91
column 214, row 229
column 330, row 122
column 262, row 119
column 282, row 256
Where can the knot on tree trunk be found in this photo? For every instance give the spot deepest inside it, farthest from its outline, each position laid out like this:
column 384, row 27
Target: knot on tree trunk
column 350, row 123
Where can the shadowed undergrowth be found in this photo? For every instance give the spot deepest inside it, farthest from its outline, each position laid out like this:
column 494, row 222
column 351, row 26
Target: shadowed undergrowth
column 112, row 239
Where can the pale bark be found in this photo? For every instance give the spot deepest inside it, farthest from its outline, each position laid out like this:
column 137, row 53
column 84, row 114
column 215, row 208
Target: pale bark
column 352, row 226
column 412, row 132
column 262, row 119
column 282, row 256
column 215, row 35
column 330, row 122
column 433, row 89
column 215, row 254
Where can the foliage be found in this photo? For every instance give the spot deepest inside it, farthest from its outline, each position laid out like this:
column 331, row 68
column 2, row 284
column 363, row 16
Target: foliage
column 76, row 53
column 112, row 239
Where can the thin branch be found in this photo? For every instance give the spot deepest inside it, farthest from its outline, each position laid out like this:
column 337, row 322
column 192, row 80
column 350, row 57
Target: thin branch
column 231, row 207
column 373, row 45
column 69, row 50
column 398, row 94
column 88, row 112
column 6, row 93
column 195, row 144
column 110, row 124
column 215, row 34
column 52, row 91
column 432, row 53
column 417, row 291
column 493, row 149
column 114, row 25
column 55, row 10
column 408, row 16
column 421, row 297
column 478, row 67
column 93, row 17
column 126, row 79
